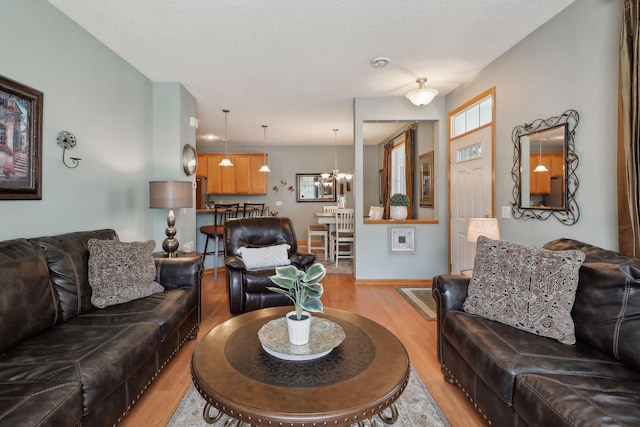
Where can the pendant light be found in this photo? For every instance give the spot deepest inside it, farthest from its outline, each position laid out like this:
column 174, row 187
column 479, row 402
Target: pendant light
column 265, row 166
column 541, row 167
column 225, row 162
column 335, row 174
column 422, row 95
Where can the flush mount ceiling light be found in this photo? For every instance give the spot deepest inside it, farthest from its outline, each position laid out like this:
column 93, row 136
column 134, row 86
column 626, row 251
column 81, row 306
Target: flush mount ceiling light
column 225, row 160
column 380, row 61
column 422, row 95
column 265, row 166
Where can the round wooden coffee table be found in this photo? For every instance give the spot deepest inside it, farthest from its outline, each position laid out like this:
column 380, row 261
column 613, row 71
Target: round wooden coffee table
column 358, row 380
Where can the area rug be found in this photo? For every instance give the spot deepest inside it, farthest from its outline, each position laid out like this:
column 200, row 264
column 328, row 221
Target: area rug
column 416, row 408
column 421, row 299
column 345, row 266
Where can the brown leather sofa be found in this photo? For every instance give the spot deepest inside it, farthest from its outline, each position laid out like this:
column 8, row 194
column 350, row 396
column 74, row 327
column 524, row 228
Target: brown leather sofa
column 515, row 378
column 64, row 362
column 247, row 288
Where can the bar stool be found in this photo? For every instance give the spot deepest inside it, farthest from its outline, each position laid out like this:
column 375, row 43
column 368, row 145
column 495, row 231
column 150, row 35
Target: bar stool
column 253, row 209
column 221, row 212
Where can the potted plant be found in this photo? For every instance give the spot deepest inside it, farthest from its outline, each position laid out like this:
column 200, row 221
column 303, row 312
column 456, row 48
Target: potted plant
column 398, row 209
column 305, row 290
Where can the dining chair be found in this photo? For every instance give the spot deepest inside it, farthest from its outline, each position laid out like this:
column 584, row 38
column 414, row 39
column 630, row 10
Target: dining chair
column 330, row 208
column 253, row 209
column 221, row 212
column 343, row 235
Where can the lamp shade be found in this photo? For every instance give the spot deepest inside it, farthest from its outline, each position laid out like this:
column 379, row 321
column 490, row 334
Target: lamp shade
column 170, row 194
column 482, row 227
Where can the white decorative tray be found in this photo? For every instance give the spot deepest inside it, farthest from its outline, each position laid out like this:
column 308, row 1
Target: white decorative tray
column 324, row 336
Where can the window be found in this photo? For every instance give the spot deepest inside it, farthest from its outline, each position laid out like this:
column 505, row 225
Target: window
column 472, row 117
column 398, row 176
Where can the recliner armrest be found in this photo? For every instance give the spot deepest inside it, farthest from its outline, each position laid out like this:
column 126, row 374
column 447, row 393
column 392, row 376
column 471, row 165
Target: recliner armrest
column 234, row 262
column 302, row 260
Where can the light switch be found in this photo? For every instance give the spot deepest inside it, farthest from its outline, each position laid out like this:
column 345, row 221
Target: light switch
column 506, row 212
column 278, row 202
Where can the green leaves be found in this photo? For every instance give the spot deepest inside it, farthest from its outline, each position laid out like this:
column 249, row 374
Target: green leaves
column 304, row 289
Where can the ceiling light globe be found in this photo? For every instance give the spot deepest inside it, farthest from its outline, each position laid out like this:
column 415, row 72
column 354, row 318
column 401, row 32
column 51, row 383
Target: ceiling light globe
column 421, row 97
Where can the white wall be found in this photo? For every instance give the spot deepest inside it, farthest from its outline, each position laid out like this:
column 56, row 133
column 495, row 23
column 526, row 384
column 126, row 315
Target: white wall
column 105, row 102
column 569, row 63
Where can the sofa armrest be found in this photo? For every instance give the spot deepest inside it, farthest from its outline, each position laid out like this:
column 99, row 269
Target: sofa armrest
column 184, row 270
column 449, row 293
column 302, row 260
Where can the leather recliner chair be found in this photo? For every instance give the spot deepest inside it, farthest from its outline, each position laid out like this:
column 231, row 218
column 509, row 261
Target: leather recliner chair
column 247, row 288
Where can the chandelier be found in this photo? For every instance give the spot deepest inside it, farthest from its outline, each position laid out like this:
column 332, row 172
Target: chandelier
column 225, row 160
column 336, row 175
column 265, row 166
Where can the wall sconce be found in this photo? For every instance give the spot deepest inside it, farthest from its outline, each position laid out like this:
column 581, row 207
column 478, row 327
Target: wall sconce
column 67, row 141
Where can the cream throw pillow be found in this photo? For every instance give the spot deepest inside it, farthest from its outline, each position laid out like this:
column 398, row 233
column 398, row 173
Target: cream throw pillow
column 525, row 287
column 268, row 256
column 120, row 272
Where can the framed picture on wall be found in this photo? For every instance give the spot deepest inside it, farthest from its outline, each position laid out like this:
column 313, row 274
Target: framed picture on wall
column 426, row 180
column 20, row 141
column 402, row 240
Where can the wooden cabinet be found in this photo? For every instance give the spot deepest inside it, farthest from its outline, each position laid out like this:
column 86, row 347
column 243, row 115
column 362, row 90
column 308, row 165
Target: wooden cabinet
column 541, row 181
column 241, row 178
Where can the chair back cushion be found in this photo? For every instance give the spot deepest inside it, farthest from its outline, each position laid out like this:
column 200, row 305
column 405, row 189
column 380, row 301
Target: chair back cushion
column 259, row 232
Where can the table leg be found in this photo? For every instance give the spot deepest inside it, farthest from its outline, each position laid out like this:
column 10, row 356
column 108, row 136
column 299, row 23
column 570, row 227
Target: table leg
column 206, row 414
column 392, row 418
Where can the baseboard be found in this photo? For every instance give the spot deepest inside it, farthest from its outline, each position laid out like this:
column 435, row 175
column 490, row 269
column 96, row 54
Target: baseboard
column 399, row 282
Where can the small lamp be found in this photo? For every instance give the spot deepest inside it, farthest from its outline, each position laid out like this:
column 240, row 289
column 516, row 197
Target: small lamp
column 481, row 227
column 170, row 195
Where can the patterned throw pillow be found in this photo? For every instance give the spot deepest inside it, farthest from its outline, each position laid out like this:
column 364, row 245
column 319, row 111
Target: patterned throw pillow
column 120, row 272
column 268, row 256
column 525, row 287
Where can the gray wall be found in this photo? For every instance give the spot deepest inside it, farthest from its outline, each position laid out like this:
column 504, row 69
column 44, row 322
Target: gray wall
column 569, row 63
column 109, row 106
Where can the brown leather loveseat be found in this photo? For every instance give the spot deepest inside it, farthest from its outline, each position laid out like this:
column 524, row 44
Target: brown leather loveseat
column 516, row 378
column 64, row 362
column 247, row 286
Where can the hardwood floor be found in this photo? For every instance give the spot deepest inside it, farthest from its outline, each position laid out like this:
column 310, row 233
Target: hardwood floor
column 379, row 302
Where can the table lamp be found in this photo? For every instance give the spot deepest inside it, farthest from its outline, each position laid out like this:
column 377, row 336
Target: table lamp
column 481, row 227
column 170, row 195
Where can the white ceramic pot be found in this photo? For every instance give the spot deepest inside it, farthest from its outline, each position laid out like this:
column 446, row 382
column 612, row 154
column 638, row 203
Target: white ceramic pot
column 398, row 212
column 298, row 329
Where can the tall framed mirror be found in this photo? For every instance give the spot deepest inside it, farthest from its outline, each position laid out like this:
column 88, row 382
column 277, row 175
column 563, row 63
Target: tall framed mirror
column 544, row 169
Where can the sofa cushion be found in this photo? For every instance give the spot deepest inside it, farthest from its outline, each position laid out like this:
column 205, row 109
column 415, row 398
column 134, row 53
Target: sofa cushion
column 120, row 272
column 525, row 287
column 565, row 400
column 40, row 403
column 268, row 256
column 498, row 353
column 166, row 309
column 100, row 357
column 68, row 259
column 27, row 301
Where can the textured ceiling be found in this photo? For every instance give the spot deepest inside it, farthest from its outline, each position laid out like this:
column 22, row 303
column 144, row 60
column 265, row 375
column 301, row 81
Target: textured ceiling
column 297, row 65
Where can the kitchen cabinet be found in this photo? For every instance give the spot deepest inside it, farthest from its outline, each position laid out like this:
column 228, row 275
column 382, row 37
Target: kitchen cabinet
column 241, row 178
column 541, row 181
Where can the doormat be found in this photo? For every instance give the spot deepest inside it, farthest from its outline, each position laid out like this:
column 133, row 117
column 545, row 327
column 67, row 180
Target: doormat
column 416, row 408
column 421, row 299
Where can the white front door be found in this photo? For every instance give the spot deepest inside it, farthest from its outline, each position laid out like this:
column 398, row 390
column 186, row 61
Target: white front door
column 471, row 172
